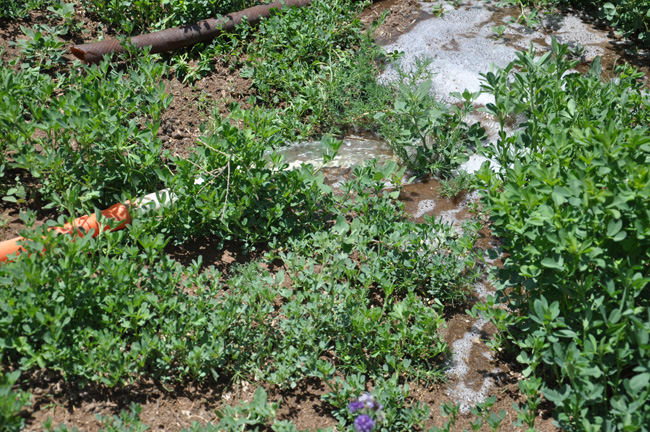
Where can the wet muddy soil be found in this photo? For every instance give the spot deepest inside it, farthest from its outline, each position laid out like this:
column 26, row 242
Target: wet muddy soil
column 403, row 15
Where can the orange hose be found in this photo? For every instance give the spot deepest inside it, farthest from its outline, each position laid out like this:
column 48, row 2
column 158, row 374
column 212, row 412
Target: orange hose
column 82, row 225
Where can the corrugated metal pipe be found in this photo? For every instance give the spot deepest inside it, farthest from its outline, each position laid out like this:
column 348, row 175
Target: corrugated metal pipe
column 179, row 37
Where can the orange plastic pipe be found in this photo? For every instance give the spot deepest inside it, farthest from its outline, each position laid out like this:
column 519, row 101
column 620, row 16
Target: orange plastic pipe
column 78, row 228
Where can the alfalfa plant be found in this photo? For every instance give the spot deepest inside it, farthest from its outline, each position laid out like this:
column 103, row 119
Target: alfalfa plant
column 569, row 203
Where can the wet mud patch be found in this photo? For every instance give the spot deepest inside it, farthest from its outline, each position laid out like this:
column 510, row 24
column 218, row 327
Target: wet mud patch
column 424, row 198
column 403, row 16
column 474, row 371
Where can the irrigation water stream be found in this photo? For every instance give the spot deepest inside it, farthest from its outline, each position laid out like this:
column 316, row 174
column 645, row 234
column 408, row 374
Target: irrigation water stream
column 462, row 44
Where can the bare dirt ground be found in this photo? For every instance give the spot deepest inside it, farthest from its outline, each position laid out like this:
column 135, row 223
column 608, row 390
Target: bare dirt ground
column 173, row 408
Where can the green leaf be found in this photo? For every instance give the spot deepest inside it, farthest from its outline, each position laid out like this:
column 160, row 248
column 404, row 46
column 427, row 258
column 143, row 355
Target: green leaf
column 596, row 68
column 557, row 396
column 609, row 10
column 639, row 382
column 614, row 227
column 341, row 226
column 552, row 263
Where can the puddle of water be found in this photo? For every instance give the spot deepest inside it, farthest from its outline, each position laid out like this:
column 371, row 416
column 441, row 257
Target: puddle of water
column 353, row 151
column 466, row 393
column 423, row 199
column 470, row 364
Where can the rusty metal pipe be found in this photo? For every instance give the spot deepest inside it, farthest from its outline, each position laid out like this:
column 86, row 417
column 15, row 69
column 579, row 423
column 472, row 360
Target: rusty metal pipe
column 179, row 37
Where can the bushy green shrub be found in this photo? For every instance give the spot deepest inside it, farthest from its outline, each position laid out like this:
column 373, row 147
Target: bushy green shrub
column 88, row 137
column 632, row 17
column 116, row 307
column 233, row 188
column 570, row 203
column 318, row 65
column 428, row 136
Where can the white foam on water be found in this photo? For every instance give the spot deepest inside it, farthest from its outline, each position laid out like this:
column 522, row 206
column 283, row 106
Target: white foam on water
column 353, row 151
column 481, row 290
column 462, row 45
column 424, row 207
column 461, row 349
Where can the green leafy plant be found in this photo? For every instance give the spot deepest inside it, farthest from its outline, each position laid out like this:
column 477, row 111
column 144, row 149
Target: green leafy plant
column 450, row 188
column 258, row 412
column 483, row 415
column 498, row 31
column 319, row 65
column 429, row 137
column 451, row 411
column 19, row 9
column 66, row 13
column 569, row 201
column 130, row 16
column 99, row 133
column 11, row 402
column 387, row 401
column 43, row 49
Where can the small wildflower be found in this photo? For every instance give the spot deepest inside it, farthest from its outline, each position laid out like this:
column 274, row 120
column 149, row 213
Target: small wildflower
column 367, row 400
column 364, row 423
column 355, row 406
column 368, row 412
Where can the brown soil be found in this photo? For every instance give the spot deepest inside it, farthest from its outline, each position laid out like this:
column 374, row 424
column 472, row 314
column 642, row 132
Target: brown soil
column 193, row 105
column 177, row 407
column 403, row 15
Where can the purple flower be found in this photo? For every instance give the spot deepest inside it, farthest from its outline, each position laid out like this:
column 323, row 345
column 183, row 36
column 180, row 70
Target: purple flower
column 364, row 423
column 354, row 406
column 367, row 400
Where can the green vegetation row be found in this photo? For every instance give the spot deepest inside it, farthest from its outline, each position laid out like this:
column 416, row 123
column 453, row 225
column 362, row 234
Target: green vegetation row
column 630, row 17
column 570, row 205
column 363, row 289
